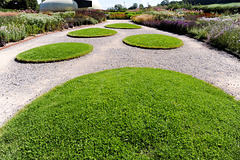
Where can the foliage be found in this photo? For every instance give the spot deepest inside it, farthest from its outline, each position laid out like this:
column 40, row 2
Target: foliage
column 127, row 113
column 178, row 26
column 96, row 14
column 154, row 41
column 165, row 14
column 22, row 23
column 142, row 18
column 20, row 4
column 29, row 10
column 220, row 10
column 44, row 22
column 117, row 15
column 224, row 33
column 197, row 24
column 206, row 2
column 55, row 52
column 92, row 32
column 134, row 6
column 67, row 14
column 5, row 10
column 123, row 26
column 7, row 14
column 117, row 8
column 3, row 38
column 224, row 4
column 122, row 15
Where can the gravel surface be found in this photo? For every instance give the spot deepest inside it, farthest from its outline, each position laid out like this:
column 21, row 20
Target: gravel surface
column 20, row 83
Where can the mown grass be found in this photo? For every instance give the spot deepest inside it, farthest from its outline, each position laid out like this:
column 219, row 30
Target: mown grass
column 92, row 32
column 154, row 41
column 6, row 10
column 55, row 52
column 123, row 26
column 224, row 5
column 128, row 113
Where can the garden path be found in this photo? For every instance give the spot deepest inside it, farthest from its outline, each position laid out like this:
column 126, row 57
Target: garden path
column 21, row 83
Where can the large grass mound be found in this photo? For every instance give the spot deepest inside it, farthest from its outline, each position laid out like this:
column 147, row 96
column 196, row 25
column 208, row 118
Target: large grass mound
column 55, row 52
column 123, row 26
column 129, row 113
column 92, row 32
column 154, row 41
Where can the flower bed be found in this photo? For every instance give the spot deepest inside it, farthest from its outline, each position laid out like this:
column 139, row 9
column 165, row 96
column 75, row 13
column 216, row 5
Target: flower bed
column 222, row 32
column 15, row 26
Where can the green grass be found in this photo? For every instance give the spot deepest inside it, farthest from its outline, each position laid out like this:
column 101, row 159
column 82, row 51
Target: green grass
column 6, row 10
column 224, row 5
column 92, row 32
column 123, row 26
column 128, row 113
column 55, row 52
column 154, row 41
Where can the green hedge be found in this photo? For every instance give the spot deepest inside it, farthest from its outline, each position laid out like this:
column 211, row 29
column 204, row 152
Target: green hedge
column 218, row 9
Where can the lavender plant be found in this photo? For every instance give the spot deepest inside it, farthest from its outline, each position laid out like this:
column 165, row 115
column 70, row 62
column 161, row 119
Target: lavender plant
column 225, row 33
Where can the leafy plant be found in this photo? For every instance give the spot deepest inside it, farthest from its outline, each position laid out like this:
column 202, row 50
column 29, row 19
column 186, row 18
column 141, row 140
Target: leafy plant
column 96, row 14
column 3, row 38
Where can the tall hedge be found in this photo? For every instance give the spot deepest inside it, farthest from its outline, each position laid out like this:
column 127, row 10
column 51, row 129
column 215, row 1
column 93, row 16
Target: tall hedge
column 206, row 2
column 219, row 9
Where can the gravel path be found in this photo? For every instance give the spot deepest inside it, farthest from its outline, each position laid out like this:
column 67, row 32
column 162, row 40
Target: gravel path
column 21, row 83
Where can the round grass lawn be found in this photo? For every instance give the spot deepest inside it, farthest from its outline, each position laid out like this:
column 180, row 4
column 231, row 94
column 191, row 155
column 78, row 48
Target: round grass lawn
column 128, row 113
column 123, row 26
column 153, row 41
column 55, row 52
column 92, row 32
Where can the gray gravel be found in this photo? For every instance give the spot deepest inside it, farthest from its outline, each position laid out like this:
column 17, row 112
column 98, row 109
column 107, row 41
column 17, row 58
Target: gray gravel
column 21, row 83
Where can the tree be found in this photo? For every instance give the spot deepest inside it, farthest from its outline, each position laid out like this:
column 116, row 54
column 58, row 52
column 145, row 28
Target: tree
column 20, row 4
column 141, row 6
column 134, row 6
column 119, row 7
column 165, row 2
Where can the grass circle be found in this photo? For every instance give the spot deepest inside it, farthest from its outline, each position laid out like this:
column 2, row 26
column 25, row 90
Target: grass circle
column 153, row 41
column 55, row 52
column 92, row 32
column 123, row 26
column 135, row 113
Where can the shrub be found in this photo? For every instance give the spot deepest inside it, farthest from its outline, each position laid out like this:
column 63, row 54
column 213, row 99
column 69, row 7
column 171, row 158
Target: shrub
column 42, row 22
column 224, row 33
column 96, row 14
column 219, row 9
column 3, row 38
column 178, row 26
column 143, row 18
column 117, row 15
column 68, row 14
column 166, row 14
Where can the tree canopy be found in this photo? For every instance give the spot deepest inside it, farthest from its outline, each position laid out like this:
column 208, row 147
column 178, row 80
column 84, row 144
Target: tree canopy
column 19, row 4
column 134, row 6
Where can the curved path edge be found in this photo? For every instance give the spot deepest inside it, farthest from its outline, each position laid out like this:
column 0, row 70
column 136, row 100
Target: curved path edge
column 20, row 83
